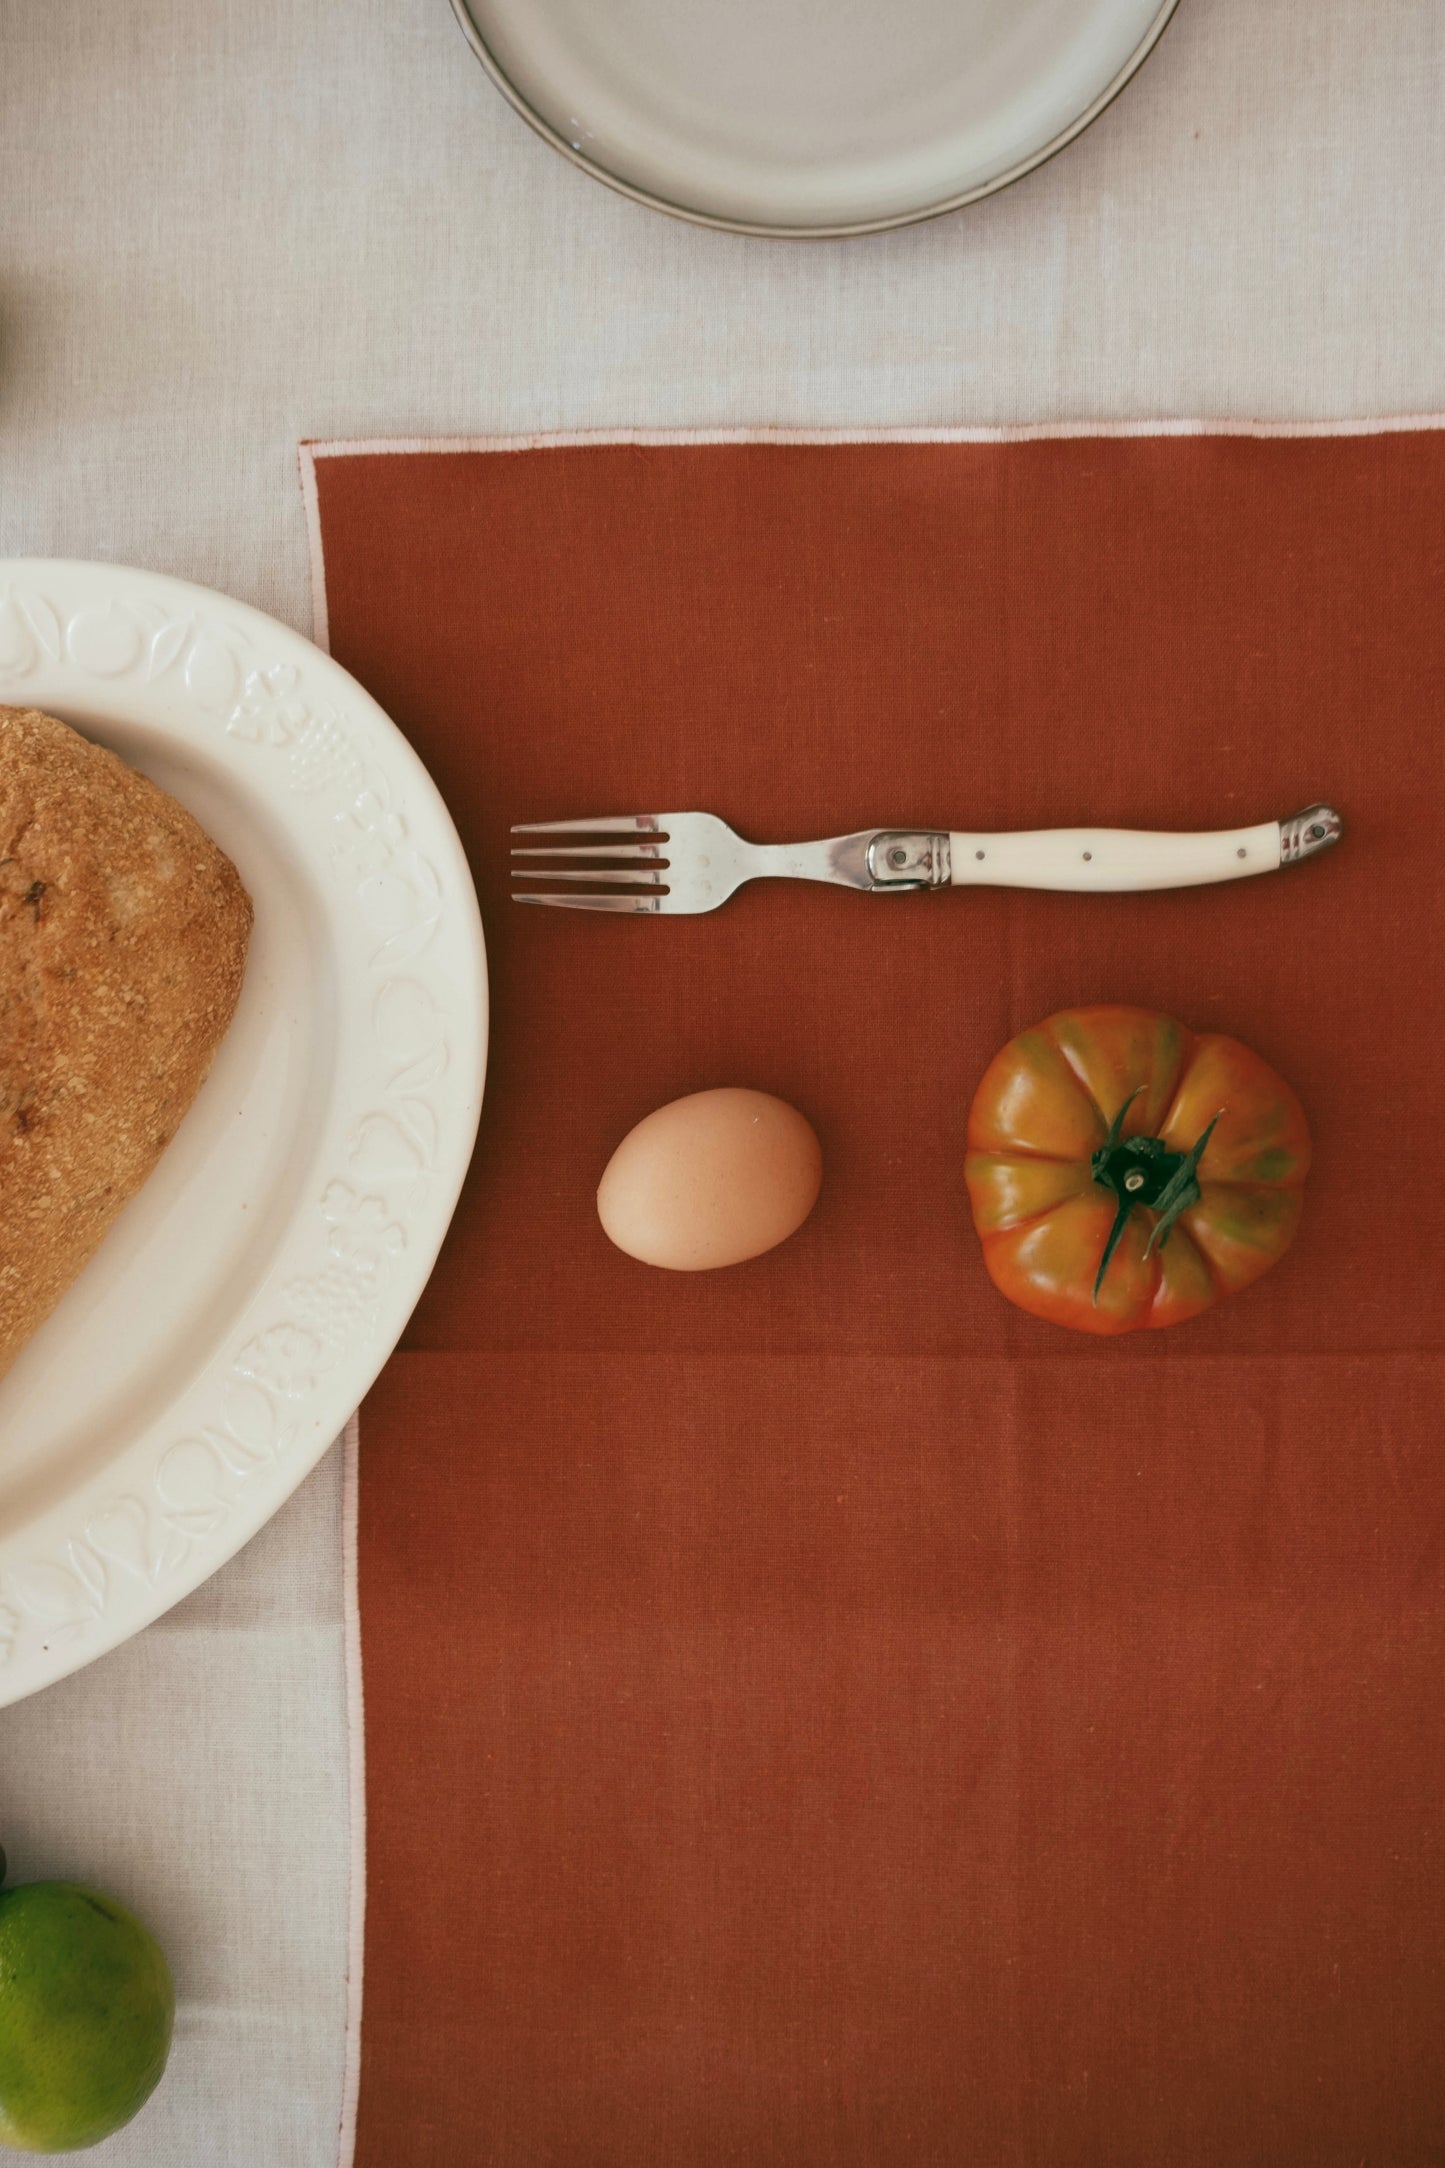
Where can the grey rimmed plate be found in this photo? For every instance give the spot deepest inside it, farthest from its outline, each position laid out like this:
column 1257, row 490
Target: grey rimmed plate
column 810, row 117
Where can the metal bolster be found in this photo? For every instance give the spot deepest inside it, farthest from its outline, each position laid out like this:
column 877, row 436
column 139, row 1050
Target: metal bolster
column 1305, row 834
column 909, row 858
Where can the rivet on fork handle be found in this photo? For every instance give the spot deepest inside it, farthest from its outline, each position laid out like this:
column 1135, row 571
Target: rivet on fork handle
column 909, row 858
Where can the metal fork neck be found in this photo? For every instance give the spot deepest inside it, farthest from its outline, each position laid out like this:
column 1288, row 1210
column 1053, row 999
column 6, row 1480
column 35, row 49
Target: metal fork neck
column 877, row 860
column 909, row 858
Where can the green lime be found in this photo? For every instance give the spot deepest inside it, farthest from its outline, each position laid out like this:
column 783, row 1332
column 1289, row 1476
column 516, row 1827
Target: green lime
column 86, row 2005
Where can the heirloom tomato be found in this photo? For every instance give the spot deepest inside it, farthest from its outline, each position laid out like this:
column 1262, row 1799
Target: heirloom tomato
column 1126, row 1172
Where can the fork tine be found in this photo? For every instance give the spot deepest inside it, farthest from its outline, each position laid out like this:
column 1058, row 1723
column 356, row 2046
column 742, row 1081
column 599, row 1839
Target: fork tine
column 626, row 823
column 635, row 902
column 583, row 850
column 604, row 876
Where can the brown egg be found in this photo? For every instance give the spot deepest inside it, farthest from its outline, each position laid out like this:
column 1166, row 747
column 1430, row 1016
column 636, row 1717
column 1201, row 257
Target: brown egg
column 710, row 1180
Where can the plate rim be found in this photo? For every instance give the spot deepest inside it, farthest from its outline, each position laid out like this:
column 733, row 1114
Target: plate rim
column 133, row 1536
column 844, row 230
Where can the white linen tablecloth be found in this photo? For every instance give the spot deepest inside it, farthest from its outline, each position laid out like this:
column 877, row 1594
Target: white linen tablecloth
column 226, row 225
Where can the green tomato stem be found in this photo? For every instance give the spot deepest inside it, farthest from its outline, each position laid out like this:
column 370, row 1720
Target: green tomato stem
column 1144, row 1171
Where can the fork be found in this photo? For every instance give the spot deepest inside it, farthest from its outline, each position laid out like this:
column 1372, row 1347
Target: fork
column 691, row 862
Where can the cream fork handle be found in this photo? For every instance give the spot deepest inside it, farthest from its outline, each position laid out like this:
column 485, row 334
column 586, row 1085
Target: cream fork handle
column 1113, row 859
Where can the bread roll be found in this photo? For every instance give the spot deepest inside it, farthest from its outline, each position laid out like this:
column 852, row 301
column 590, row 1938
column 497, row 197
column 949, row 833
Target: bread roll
column 123, row 934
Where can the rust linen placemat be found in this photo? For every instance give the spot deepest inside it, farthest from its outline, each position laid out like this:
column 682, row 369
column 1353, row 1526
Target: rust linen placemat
column 816, row 1714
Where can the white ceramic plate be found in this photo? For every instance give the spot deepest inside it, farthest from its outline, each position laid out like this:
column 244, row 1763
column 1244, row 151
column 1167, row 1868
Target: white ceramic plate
column 810, row 117
column 245, row 1300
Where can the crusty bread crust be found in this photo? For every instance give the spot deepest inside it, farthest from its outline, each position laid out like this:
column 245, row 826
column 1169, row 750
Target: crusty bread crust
column 123, row 935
